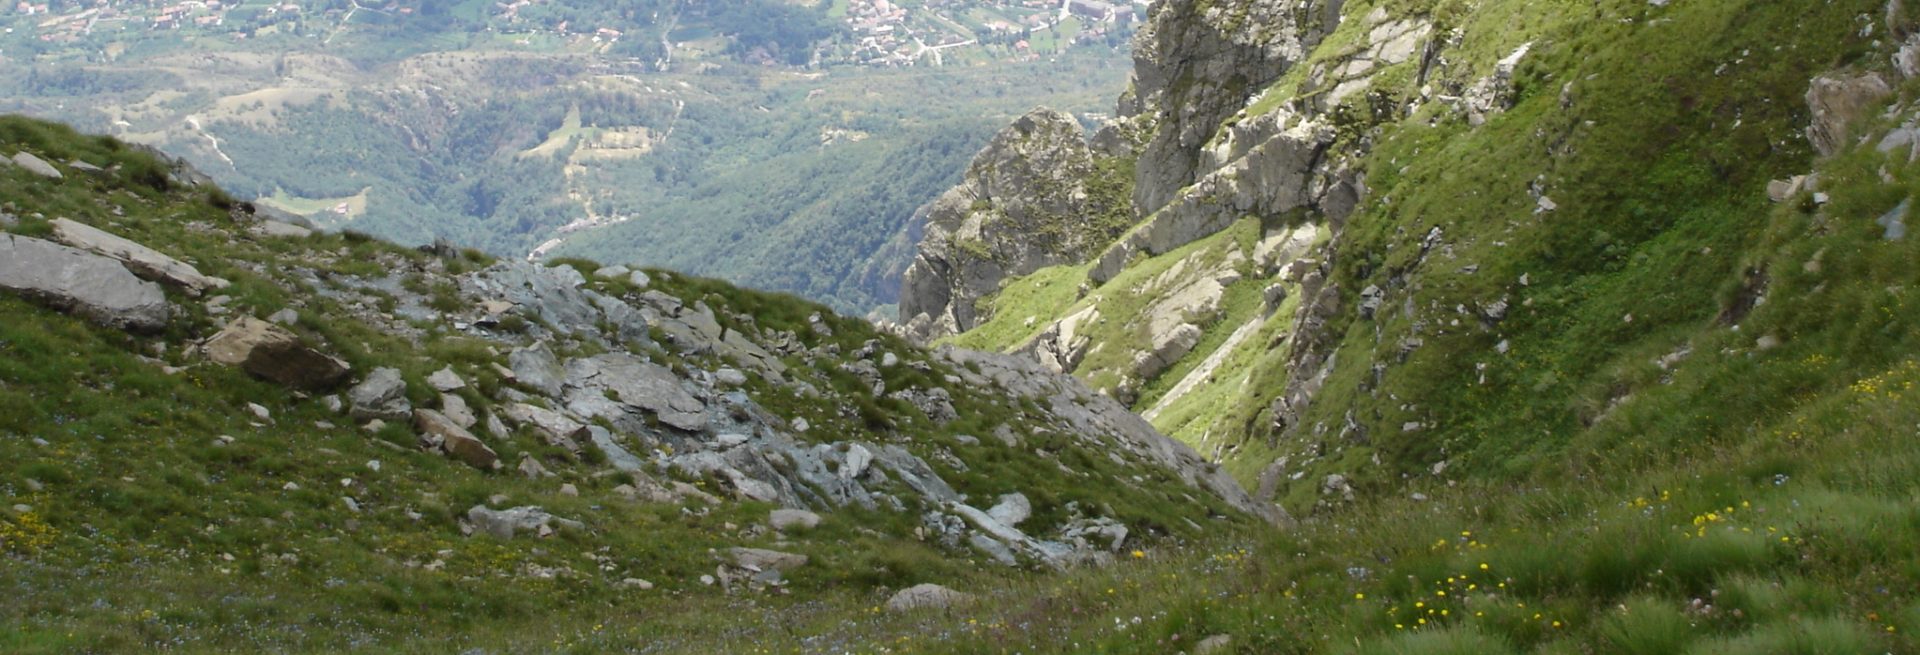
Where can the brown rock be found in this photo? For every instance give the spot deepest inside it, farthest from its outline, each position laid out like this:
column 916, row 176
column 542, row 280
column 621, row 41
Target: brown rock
column 439, row 432
column 271, row 352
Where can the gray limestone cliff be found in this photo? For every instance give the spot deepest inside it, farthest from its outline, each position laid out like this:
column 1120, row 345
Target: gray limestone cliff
column 1038, row 195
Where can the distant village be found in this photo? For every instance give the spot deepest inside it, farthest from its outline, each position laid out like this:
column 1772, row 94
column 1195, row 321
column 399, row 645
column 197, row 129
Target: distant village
column 888, row 34
column 885, row 33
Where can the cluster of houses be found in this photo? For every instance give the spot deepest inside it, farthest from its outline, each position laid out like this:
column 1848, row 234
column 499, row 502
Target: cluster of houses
column 123, row 14
column 887, row 34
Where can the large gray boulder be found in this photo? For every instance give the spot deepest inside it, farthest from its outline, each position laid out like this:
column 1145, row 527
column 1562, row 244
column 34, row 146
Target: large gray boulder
column 926, row 596
column 631, row 382
column 383, row 395
column 36, row 165
column 143, row 261
column 95, row 287
column 761, row 559
column 505, row 523
column 537, row 368
column 271, row 352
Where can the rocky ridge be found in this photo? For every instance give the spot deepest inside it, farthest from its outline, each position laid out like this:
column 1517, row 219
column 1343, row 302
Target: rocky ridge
column 687, row 392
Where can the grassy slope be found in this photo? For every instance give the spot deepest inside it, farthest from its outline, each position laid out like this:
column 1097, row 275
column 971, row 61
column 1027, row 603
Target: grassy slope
column 136, row 529
column 1603, row 493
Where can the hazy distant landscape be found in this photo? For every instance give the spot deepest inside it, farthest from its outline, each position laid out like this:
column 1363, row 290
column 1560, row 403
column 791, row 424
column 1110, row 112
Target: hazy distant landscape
column 782, row 146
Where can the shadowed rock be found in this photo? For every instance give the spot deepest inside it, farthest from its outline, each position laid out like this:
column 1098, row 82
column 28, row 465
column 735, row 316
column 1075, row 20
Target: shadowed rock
column 272, row 353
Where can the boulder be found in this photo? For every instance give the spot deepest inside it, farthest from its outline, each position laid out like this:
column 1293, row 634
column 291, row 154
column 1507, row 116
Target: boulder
column 1012, row 509
column 97, row 288
column 443, row 434
column 1213, row 645
column 785, row 519
column 272, row 353
column 558, row 428
column 383, row 395
column 537, row 368
column 446, row 380
column 617, row 455
column 505, row 523
column 761, row 559
column 143, row 261
column 456, row 409
column 926, row 596
column 1837, row 103
column 36, row 165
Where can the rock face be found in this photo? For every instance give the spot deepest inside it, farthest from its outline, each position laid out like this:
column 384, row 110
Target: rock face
column 1196, row 64
column 596, row 382
column 926, row 596
column 143, row 261
column 91, row 286
column 1094, row 414
column 1838, row 102
column 271, row 352
column 1030, row 200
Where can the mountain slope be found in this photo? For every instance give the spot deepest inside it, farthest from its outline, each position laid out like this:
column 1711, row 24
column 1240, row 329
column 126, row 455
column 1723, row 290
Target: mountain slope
column 357, row 445
column 1564, row 327
column 1540, row 211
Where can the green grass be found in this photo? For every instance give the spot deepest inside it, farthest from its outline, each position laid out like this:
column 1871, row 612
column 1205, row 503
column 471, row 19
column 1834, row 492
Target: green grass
column 1039, row 296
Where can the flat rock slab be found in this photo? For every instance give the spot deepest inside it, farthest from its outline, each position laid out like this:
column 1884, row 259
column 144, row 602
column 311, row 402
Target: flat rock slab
column 143, row 261
column 37, row 166
column 273, row 228
column 761, row 559
column 85, row 284
column 641, row 384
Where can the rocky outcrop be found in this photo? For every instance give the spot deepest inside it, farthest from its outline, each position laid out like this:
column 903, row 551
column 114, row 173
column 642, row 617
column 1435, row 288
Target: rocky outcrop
column 1063, row 344
column 1096, row 416
column 1196, row 64
column 97, row 288
column 1837, row 102
column 554, row 293
column 270, row 352
column 612, row 385
column 1284, row 172
column 143, row 261
column 1030, row 200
